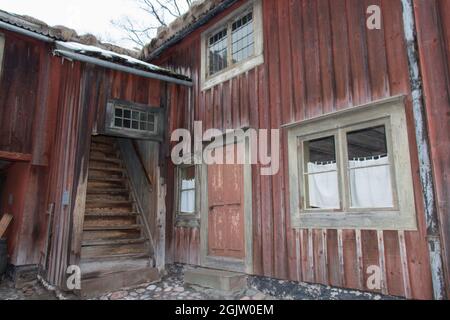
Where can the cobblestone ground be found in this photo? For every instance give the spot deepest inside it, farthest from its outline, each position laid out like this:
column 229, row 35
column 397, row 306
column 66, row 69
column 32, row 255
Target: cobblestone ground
column 172, row 287
column 33, row 291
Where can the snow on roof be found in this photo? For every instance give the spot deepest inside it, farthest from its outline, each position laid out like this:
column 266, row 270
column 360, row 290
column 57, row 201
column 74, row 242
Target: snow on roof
column 68, row 40
column 106, row 54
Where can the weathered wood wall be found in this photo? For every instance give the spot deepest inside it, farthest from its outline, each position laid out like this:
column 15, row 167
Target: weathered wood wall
column 433, row 26
column 83, row 93
column 25, row 124
column 319, row 58
column 50, row 107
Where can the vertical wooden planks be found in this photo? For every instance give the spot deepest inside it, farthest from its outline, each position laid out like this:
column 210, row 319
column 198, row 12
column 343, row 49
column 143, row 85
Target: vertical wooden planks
column 324, row 60
column 312, row 56
column 359, row 52
column 340, row 43
column 326, row 56
column 394, row 268
column 334, row 255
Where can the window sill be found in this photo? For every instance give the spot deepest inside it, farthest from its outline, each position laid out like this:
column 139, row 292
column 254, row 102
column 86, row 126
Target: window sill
column 187, row 221
column 367, row 220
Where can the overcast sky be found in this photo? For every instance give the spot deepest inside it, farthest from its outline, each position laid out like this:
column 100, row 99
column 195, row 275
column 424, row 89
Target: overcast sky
column 85, row 16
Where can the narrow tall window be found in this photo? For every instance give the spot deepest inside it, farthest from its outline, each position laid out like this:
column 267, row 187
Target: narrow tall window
column 187, row 190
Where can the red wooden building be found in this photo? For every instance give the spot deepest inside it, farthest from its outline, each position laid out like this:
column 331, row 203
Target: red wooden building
column 363, row 116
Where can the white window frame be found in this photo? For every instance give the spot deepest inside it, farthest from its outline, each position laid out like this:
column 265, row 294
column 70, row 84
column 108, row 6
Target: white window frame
column 243, row 66
column 389, row 112
column 186, row 219
column 2, row 52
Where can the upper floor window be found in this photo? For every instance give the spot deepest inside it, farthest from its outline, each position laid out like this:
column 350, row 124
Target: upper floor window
column 133, row 120
column 232, row 46
column 352, row 169
column 127, row 118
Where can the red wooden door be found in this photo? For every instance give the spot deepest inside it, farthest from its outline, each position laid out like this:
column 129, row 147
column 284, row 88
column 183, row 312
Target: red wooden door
column 226, row 235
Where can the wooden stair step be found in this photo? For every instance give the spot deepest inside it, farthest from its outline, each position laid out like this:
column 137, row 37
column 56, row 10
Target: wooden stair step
column 101, row 203
column 112, row 234
column 97, row 243
column 106, row 159
column 103, row 282
column 107, row 169
column 105, row 179
column 104, row 150
column 113, row 250
column 107, row 192
column 113, row 228
column 111, row 214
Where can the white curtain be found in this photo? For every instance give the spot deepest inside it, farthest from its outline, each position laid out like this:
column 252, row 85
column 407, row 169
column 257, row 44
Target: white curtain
column 323, row 187
column 371, row 187
column 187, row 203
column 370, row 184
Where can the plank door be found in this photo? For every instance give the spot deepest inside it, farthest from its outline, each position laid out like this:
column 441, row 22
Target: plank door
column 226, row 229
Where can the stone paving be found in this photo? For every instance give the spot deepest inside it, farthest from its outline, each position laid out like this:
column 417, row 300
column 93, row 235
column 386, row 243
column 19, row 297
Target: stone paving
column 32, row 291
column 172, row 287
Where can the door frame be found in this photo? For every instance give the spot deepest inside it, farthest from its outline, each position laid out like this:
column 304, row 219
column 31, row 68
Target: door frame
column 222, row 263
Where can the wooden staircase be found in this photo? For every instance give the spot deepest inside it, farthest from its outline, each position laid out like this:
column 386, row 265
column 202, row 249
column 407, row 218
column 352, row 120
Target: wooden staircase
column 115, row 251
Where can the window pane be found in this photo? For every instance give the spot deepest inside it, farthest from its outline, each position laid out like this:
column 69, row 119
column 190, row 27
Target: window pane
column 118, row 112
column 242, row 38
column 321, row 175
column 187, row 189
column 127, row 114
column 369, row 169
column 135, row 125
column 217, row 47
column 127, row 124
column 118, row 123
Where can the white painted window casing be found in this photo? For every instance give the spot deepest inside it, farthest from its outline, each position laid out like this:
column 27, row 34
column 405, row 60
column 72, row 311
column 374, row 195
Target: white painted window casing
column 361, row 181
column 237, row 43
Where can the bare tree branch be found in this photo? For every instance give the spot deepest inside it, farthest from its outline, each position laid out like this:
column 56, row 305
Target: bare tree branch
column 160, row 13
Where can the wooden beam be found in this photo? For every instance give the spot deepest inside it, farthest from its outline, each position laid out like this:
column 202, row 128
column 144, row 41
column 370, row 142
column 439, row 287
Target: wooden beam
column 15, row 156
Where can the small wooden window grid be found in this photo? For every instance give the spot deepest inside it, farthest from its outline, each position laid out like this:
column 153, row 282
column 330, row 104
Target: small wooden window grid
column 133, row 120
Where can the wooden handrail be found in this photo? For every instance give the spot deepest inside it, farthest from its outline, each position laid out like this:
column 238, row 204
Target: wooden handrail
column 144, row 168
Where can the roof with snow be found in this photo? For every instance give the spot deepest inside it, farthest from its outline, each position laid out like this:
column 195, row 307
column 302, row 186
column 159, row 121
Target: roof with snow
column 66, row 39
column 200, row 13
